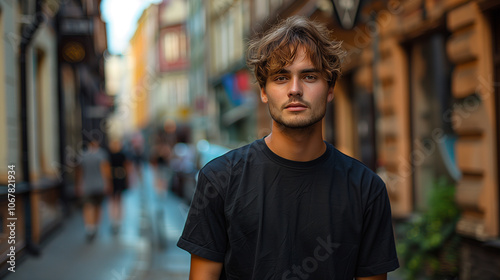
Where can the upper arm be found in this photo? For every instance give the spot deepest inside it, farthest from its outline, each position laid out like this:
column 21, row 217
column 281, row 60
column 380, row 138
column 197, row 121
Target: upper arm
column 377, row 251
column 204, row 269
column 78, row 172
column 376, row 277
column 106, row 169
column 205, row 231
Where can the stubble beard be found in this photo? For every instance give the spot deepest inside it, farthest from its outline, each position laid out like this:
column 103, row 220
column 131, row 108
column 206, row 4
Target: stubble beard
column 296, row 124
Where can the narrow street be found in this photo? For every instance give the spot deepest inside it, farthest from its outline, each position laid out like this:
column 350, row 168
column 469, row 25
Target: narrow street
column 144, row 248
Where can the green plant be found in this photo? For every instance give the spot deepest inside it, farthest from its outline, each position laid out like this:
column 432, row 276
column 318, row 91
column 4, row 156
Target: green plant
column 428, row 245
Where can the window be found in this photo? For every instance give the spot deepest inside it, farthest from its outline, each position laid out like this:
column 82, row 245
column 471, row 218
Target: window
column 224, row 30
column 171, row 42
column 174, row 44
column 42, row 113
column 430, row 95
column 231, row 37
column 238, row 32
column 177, row 91
column 215, row 47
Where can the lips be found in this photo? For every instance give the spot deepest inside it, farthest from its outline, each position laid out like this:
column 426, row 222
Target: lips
column 295, row 106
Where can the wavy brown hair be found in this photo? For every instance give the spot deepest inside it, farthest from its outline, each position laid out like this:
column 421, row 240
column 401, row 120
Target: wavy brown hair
column 277, row 48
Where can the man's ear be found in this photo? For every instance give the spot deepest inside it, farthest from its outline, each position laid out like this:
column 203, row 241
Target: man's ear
column 263, row 95
column 330, row 94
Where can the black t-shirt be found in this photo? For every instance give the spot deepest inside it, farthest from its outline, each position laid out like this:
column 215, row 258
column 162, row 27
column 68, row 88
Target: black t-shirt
column 118, row 170
column 266, row 217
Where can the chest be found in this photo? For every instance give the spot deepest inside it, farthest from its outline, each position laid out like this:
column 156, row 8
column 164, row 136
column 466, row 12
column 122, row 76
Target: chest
column 291, row 207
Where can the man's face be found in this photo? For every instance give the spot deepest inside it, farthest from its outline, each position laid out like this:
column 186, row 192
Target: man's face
column 297, row 95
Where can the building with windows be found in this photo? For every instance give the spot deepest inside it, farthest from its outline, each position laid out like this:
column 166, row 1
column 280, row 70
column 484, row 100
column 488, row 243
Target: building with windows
column 84, row 102
column 230, row 83
column 203, row 119
column 52, row 98
column 159, row 53
column 143, row 57
column 29, row 124
column 172, row 98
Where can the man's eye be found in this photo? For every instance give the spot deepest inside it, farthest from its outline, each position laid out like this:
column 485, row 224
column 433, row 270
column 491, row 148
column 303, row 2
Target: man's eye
column 310, row 78
column 280, row 78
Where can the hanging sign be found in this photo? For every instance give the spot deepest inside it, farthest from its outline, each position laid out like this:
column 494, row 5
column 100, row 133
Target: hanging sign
column 73, row 52
column 346, row 12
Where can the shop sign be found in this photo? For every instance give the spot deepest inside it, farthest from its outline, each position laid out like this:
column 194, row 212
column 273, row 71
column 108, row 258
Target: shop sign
column 73, row 52
column 76, row 26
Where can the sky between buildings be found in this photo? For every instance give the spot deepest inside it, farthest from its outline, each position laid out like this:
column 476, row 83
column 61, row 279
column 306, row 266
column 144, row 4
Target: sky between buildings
column 121, row 17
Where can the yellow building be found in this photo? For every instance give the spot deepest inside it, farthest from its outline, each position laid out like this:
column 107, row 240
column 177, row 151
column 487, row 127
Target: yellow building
column 143, row 54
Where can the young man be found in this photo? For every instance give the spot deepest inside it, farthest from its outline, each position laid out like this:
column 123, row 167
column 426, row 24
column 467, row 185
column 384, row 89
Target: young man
column 290, row 206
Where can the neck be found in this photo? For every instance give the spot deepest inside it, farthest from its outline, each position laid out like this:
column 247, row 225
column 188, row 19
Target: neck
column 303, row 144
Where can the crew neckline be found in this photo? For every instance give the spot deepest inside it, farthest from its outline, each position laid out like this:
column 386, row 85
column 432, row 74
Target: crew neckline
column 292, row 163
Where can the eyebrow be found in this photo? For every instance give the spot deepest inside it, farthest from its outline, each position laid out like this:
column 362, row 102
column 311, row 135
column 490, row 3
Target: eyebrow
column 307, row 70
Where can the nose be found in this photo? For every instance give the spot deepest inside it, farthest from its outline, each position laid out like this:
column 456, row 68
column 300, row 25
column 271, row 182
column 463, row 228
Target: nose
column 295, row 88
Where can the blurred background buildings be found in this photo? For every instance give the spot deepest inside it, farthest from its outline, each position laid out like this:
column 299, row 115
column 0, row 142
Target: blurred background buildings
column 52, row 98
column 418, row 101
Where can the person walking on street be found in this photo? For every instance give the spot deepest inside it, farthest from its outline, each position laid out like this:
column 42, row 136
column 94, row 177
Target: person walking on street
column 137, row 156
column 160, row 160
column 120, row 170
column 93, row 183
column 290, row 205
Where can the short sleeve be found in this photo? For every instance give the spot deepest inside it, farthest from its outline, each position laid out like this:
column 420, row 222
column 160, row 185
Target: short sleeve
column 205, row 230
column 377, row 250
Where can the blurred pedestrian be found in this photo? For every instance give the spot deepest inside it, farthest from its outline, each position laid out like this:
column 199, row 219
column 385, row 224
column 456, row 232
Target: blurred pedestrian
column 120, row 168
column 183, row 166
column 290, row 205
column 137, row 156
column 160, row 160
column 93, row 183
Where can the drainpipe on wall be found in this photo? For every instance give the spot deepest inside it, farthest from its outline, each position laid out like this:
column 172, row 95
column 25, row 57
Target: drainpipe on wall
column 62, row 125
column 28, row 31
column 377, row 85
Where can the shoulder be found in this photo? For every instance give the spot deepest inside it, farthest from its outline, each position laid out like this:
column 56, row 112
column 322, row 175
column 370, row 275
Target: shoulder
column 232, row 158
column 347, row 162
column 358, row 174
column 227, row 163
